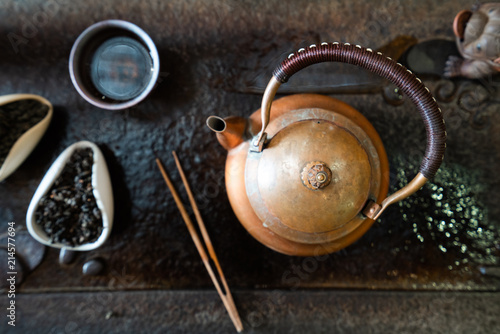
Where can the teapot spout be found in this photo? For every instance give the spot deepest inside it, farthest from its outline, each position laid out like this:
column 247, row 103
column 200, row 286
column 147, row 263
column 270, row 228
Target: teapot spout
column 230, row 131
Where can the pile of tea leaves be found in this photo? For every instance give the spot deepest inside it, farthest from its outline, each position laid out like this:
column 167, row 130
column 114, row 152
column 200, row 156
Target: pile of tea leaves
column 68, row 212
column 15, row 119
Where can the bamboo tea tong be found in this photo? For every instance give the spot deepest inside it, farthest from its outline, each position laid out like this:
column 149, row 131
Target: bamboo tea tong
column 225, row 295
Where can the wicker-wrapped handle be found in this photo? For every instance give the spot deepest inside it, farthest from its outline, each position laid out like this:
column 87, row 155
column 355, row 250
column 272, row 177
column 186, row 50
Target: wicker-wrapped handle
column 386, row 68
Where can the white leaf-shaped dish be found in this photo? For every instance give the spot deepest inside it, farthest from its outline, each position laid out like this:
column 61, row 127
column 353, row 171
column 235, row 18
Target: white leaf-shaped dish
column 25, row 144
column 102, row 190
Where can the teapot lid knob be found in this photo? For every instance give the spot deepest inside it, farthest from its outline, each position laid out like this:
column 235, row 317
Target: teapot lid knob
column 316, row 175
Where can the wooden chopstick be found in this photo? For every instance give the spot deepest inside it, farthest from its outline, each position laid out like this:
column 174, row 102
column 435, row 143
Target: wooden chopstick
column 226, row 297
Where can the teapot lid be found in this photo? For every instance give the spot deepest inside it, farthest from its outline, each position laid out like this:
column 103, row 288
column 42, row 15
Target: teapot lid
column 317, row 172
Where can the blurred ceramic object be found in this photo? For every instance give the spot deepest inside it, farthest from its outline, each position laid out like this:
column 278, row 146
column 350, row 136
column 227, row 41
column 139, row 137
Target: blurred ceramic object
column 102, row 191
column 25, row 144
column 477, row 33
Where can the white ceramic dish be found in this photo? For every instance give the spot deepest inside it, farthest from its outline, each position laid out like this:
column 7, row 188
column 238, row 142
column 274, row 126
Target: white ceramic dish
column 103, row 193
column 27, row 142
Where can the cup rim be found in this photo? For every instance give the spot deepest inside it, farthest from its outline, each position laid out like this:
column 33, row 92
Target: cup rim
column 79, row 46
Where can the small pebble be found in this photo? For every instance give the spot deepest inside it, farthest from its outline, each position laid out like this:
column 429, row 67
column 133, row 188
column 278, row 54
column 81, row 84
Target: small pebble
column 5, row 269
column 92, row 267
column 66, row 256
column 30, row 251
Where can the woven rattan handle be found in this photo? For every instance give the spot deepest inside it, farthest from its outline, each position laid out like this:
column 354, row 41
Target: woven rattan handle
column 375, row 62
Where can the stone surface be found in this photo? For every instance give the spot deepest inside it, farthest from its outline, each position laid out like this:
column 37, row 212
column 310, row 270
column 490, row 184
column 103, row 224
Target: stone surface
column 211, row 52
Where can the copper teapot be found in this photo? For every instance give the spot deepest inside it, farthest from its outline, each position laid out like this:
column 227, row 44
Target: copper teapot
column 315, row 177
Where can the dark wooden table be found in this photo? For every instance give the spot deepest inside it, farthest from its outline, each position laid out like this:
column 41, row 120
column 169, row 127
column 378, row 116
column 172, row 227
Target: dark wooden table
column 416, row 270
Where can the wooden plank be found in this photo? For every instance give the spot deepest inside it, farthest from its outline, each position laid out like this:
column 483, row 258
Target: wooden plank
column 275, row 311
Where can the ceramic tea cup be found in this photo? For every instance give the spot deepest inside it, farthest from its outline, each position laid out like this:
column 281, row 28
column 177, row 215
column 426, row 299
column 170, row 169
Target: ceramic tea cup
column 102, row 192
column 114, row 64
column 25, row 144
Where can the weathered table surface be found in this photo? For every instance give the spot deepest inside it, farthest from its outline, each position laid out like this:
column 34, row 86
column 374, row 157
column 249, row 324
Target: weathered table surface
column 215, row 59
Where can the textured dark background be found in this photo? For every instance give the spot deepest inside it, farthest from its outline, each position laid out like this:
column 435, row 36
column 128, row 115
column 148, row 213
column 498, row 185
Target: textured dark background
column 215, row 59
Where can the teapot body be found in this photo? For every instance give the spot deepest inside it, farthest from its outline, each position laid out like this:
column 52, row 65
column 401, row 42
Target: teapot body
column 282, row 199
